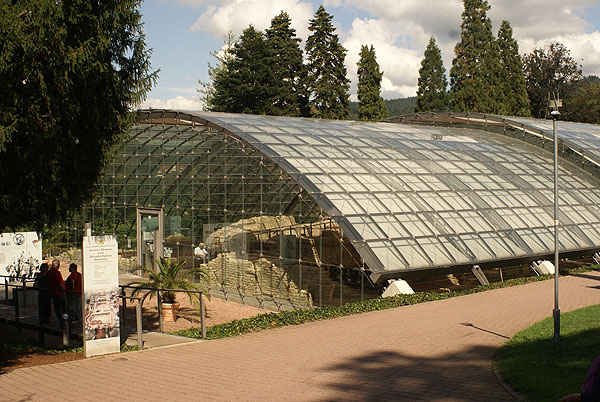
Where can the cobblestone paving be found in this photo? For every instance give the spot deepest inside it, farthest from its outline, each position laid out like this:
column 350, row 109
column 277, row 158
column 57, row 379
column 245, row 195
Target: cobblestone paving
column 438, row 351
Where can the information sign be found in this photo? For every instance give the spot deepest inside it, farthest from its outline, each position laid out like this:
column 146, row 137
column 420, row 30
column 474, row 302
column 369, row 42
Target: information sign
column 101, row 295
column 20, row 254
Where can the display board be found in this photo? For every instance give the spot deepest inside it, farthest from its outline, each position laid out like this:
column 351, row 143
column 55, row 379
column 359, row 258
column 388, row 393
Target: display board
column 101, row 295
column 20, row 254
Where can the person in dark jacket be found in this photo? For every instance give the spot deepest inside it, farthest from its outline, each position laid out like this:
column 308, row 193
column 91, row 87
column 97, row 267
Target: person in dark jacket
column 56, row 290
column 73, row 285
column 44, row 300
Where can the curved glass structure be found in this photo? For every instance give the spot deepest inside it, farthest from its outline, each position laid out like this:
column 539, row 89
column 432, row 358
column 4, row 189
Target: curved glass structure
column 578, row 142
column 316, row 211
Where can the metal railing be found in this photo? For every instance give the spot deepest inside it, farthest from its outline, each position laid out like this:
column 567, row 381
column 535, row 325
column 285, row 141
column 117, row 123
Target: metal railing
column 20, row 284
column 159, row 303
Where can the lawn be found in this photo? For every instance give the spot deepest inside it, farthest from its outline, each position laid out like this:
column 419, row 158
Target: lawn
column 544, row 371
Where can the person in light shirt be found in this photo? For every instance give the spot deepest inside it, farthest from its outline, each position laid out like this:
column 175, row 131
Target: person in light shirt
column 201, row 253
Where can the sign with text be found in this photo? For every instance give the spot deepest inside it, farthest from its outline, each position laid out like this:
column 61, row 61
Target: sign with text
column 101, row 295
column 20, row 254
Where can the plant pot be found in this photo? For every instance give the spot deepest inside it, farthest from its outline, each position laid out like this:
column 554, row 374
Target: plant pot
column 169, row 311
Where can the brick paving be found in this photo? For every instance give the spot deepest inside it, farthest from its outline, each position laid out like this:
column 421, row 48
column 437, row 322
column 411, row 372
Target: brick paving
column 437, row 351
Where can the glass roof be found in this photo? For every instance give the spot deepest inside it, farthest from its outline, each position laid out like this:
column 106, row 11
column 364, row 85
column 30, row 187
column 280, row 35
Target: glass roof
column 581, row 139
column 420, row 197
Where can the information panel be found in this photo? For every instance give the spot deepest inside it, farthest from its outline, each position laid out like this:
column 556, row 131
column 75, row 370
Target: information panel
column 101, row 295
column 20, row 254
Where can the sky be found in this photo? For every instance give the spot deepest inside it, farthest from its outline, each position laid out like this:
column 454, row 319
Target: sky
column 184, row 33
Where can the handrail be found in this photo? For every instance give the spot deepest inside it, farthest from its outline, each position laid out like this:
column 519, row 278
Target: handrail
column 159, row 302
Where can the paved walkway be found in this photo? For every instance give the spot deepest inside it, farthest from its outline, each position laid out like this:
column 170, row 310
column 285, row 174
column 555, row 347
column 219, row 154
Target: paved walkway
column 434, row 351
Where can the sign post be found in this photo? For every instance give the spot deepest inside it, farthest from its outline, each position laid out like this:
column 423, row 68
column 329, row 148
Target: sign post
column 101, row 295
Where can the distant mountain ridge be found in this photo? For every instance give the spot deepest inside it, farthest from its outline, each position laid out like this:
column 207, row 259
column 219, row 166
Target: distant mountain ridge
column 396, row 107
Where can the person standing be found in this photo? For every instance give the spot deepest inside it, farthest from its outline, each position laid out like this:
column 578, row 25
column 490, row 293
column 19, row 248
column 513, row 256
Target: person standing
column 56, row 290
column 73, row 286
column 43, row 296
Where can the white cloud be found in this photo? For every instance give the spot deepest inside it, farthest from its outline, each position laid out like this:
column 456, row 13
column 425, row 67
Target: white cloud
column 400, row 65
column 400, row 30
column 585, row 49
column 177, row 103
column 535, row 23
column 220, row 17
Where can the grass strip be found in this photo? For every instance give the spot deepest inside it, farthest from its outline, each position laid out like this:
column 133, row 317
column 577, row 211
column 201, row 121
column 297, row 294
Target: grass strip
column 541, row 370
column 295, row 317
column 24, row 346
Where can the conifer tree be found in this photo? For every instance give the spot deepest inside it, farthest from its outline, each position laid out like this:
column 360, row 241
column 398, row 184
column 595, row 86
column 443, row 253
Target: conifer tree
column 474, row 80
column 243, row 82
column 370, row 104
column 71, row 72
column 215, row 93
column 326, row 82
column 290, row 98
column 431, row 94
column 511, row 72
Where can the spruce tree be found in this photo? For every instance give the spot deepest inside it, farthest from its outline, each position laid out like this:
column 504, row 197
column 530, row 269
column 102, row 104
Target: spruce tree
column 511, row 72
column 474, row 77
column 370, row 104
column 326, row 82
column 290, row 98
column 432, row 95
column 71, row 72
column 243, row 82
column 216, row 93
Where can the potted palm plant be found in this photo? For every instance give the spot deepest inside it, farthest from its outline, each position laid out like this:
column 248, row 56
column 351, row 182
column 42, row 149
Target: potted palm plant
column 171, row 276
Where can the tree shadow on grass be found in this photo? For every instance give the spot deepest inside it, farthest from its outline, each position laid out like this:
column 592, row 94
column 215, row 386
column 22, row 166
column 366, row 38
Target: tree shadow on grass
column 392, row 376
column 543, row 370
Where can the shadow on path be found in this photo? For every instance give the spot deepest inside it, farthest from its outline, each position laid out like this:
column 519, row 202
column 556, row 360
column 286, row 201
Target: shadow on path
column 393, row 376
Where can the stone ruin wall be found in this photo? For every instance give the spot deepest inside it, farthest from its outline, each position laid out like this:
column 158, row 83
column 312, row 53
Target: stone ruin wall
column 259, row 278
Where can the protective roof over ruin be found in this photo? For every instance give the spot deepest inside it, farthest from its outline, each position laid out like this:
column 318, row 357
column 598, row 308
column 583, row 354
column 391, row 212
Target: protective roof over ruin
column 420, row 197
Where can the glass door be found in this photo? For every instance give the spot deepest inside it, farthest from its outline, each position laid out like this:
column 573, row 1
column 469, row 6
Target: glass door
column 150, row 236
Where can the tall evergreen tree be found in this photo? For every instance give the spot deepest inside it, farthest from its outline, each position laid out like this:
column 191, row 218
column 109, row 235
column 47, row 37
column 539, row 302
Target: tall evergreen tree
column 215, row 93
column 70, row 74
column 431, row 94
column 370, row 104
column 549, row 69
column 511, row 72
column 290, row 98
column 243, row 82
column 474, row 80
column 326, row 82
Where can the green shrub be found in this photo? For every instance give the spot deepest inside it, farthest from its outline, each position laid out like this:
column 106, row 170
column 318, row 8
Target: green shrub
column 295, row 317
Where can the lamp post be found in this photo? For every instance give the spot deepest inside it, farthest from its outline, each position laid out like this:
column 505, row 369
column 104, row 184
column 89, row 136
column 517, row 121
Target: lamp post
column 555, row 104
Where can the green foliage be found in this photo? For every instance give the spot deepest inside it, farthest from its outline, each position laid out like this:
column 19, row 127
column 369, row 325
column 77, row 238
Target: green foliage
column 290, row 97
column 24, row 346
column 475, row 84
column 583, row 104
column 171, row 276
column 511, row 73
column 70, row 72
column 243, row 81
column 284, row 318
column 431, row 94
column 545, row 371
column 326, row 82
column 398, row 107
column 214, row 93
column 370, row 104
column 395, row 107
column 549, row 69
